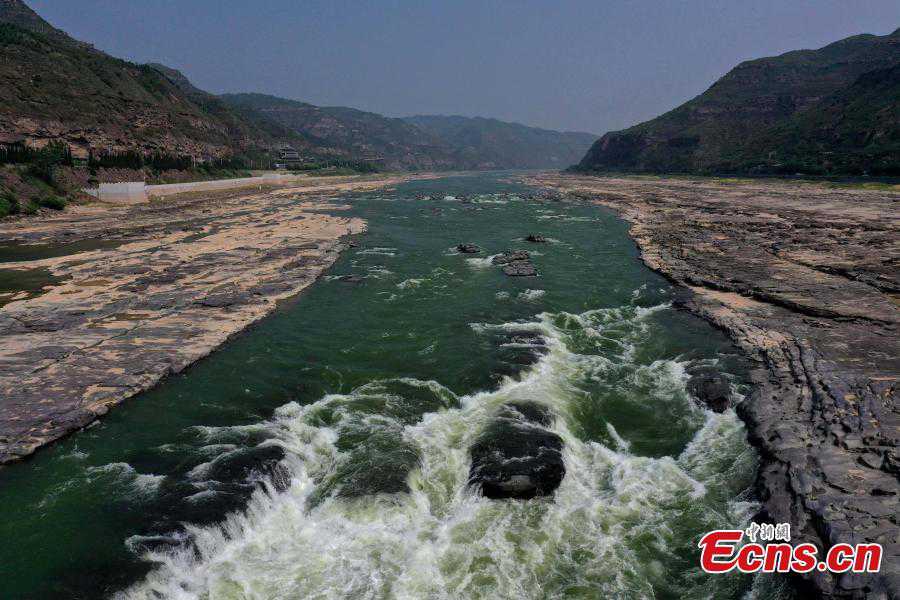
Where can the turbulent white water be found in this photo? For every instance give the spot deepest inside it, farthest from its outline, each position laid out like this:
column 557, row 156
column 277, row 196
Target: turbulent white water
column 612, row 530
column 531, row 294
column 484, row 262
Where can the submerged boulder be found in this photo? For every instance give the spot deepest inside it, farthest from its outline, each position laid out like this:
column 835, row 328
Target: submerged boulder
column 208, row 492
column 520, row 268
column 510, row 256
column 523, row 348
column 712, row 389
column 468, row 249
column 516, row 352
column 531, row 412
column 516, row 456
column 249, row 464
column 378, row 461
column 354, row 279
column 515, row 263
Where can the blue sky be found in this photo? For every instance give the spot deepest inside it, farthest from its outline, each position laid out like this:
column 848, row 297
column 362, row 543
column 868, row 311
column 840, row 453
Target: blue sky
column 569, row 64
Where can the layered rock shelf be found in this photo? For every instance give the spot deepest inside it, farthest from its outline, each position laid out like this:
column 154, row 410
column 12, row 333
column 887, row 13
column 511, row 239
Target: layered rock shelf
column 189, row 273
column 805, row 279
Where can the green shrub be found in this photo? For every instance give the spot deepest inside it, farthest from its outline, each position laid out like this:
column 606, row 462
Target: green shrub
column 8, row 204
column 51, row 201
column 47, row 159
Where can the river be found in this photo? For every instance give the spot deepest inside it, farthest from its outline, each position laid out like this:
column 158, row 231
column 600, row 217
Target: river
column 324, row 452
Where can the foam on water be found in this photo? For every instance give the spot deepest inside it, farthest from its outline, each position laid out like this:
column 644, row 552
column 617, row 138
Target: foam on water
column 138, row 484
column 76, row 455
column 378, row 251
column 410, row 283
column 481, row 263
column 530, row 295
column 613, row 529
column 238, row 433
column 379, row 272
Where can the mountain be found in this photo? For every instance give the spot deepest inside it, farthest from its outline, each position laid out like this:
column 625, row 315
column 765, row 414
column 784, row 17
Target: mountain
column 491, row 144
column 421, row 142
column 856, row 130
column 392, row 143
column 53, row 87
column 15, row 12
column 797, row 112
column 246, row 125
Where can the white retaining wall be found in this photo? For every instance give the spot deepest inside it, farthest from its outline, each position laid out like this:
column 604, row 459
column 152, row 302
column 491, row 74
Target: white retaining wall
column 136, row 192
column 129, row 192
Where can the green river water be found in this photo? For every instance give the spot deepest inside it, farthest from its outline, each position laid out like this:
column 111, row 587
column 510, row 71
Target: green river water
column 323, row 452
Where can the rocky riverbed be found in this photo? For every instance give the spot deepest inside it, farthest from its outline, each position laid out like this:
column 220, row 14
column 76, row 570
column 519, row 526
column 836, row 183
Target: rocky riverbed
column 804, row 278
column 492, row 436
column 189, row 273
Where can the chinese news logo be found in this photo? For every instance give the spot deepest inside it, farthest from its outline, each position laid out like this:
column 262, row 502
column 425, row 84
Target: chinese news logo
column 721, row 551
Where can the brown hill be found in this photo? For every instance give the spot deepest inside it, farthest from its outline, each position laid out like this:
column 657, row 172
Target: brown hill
column 55, row 88
column 734, row 125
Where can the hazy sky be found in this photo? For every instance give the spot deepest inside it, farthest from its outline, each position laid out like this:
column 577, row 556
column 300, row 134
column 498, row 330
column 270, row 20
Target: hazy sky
column 588, row 65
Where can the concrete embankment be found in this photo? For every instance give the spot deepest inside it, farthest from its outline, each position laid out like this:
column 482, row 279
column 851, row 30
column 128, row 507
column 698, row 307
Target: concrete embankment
column 136, row 192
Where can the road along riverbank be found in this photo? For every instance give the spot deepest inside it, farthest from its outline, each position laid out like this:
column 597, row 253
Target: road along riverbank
column 805, row 279
column 188, row 273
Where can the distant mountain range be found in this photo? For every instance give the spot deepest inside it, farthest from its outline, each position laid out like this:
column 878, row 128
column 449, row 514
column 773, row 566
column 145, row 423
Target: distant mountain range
column 422, row 142
column 835, row 110
column 53, row 87
column 349, row 132
column 488, row 143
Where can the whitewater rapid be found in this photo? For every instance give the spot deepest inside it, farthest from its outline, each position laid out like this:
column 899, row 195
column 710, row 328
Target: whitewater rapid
column 613, row 528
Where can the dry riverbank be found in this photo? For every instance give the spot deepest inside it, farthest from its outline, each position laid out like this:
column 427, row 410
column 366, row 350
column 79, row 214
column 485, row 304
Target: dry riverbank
column 189, row 273
column 805, row 279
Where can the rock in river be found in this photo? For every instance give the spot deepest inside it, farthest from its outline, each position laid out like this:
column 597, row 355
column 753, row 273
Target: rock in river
column 516, row 263
column 510, row 256
column 516, row 456
column 711, row 388
column 536, row 239
column 468, row 249
column 355, row 279
column 520, row 268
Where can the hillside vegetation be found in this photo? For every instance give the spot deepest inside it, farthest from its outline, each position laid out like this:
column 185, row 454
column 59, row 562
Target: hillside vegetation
column 53, row 88
column 481, row 143
column 828, row 111
column 394, row 143
column 421, row 142
column 57, row 89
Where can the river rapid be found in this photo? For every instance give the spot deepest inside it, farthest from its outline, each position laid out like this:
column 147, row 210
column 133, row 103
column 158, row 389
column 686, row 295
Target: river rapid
column 324, row 453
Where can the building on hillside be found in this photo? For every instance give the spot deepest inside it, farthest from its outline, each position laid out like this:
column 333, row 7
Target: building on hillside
column 288, row 158
column 288, row 154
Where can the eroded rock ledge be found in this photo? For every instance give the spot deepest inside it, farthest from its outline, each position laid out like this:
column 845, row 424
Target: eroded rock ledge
column 190, row 273
column 805, row 279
